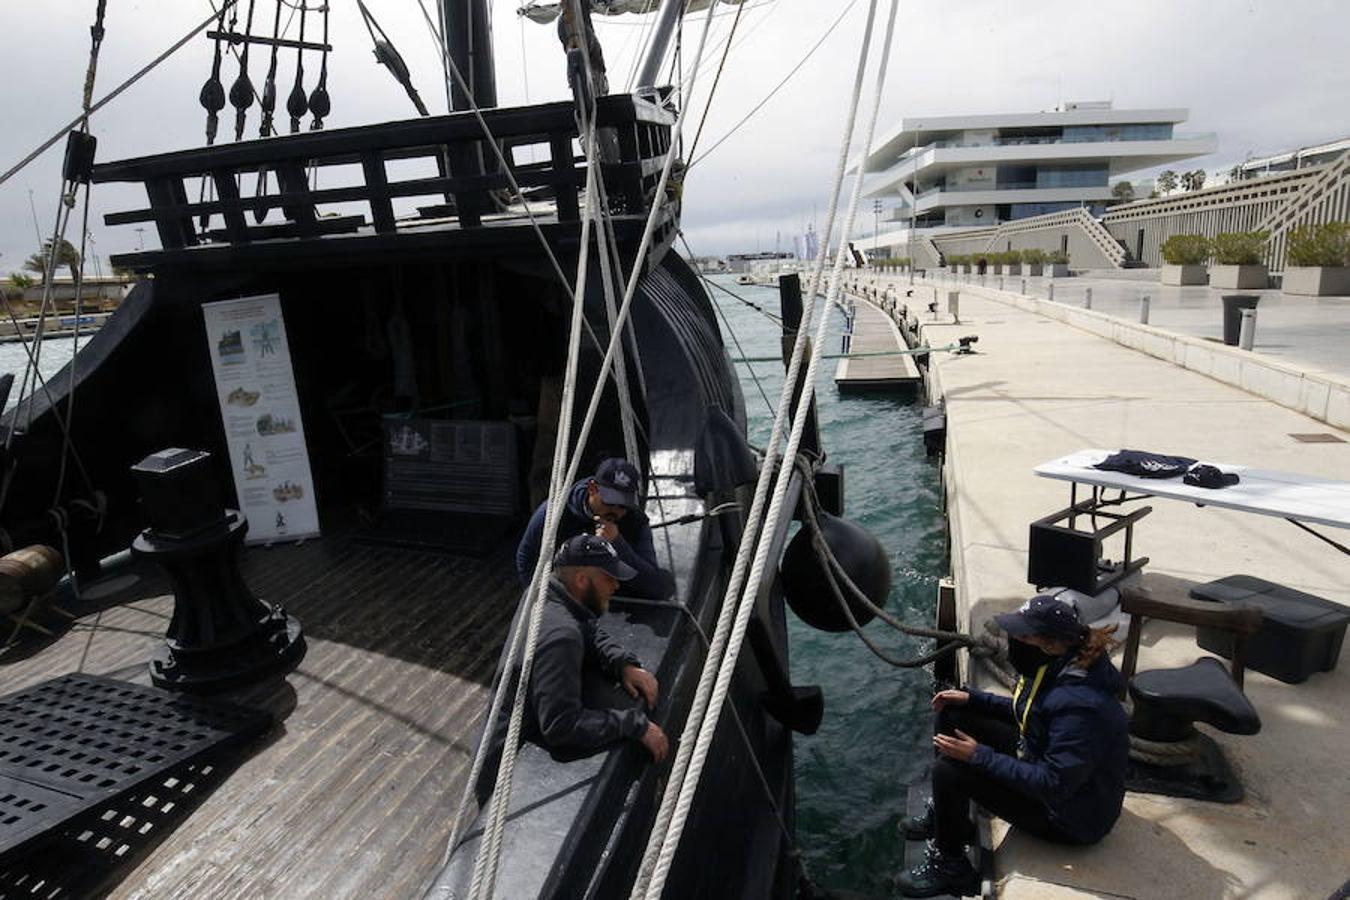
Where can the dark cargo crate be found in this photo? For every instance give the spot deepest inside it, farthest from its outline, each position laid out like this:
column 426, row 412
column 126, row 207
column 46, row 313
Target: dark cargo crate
column 1301, row 634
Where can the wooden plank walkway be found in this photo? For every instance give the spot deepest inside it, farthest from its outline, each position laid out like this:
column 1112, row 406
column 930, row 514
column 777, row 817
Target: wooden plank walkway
column 873, row 331
column 353, row 792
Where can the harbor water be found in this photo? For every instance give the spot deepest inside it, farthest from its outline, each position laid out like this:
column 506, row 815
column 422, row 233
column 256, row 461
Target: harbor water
column 56, row 352
column 853, row 774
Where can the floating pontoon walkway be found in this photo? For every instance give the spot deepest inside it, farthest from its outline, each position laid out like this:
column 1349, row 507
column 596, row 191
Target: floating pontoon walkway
column 874, row 332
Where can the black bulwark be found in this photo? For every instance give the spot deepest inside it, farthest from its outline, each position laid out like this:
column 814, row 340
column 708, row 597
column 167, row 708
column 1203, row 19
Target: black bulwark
column 305, row 176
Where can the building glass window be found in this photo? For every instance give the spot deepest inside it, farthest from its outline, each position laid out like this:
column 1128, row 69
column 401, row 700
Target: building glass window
column 1071, row 176
column 1147, row 132
column 1027, row 210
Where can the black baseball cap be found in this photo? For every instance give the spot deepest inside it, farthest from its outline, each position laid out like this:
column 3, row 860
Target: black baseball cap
column 1204, row 476
column 618, row 480
column 590, row 550
column 1045, row 615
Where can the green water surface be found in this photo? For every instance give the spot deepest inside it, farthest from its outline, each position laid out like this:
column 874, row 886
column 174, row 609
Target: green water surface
column 853, row 774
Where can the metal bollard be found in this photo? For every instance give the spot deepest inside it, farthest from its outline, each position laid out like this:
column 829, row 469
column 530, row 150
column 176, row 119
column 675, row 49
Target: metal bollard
column 1050, row 291
column 1248, row 334
column 1024, row 287
column 1143, row 310
column 1087, row 299
column 1000, row 282
column 954, row 306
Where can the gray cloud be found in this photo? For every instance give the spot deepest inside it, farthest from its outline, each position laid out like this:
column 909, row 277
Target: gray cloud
column 1264, row 74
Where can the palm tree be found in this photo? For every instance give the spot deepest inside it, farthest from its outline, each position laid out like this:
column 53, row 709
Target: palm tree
column 66, row 255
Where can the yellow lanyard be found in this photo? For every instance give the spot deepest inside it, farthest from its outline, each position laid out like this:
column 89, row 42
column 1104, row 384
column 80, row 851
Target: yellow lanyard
column 1031, row 696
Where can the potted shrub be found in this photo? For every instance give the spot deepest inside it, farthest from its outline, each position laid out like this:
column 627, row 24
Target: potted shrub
column 952, row 263
column 1238, row 259
column 1012, row 262
column 967, row 263
column 1057, row 264
column 1317, row 263
column 1184, row 256
column 1034, row 261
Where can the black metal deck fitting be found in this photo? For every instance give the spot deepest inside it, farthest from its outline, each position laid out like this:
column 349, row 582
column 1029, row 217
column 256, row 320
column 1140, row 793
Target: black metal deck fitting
column 220, row 635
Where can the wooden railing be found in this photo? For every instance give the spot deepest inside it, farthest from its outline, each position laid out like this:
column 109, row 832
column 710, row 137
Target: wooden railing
column 239, row 187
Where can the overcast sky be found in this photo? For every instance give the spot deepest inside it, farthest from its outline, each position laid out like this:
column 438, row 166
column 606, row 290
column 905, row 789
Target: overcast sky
column 1266, row 75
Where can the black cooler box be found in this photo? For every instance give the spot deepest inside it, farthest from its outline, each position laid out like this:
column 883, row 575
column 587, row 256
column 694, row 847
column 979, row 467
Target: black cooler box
column 1301, row 634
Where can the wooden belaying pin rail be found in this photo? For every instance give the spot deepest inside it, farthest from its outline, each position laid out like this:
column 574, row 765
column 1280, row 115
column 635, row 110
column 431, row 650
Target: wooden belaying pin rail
column 234, row 37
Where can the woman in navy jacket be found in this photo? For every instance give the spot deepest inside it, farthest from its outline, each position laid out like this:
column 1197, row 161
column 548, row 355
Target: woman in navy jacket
column 1050, row 760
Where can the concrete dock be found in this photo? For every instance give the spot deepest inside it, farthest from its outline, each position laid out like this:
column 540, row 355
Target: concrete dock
column 875, row 332
column 1042, row 385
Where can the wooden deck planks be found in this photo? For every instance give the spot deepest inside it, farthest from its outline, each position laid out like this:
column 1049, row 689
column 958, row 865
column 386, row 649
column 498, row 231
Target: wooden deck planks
column 353, row 793
column 874, row 332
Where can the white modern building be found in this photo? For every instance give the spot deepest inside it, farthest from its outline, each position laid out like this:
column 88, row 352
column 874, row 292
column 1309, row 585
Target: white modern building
column 1292, row 160
column 949, row 173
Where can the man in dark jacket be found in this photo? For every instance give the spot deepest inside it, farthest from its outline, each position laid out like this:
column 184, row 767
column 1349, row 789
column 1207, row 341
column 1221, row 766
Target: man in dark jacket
column 1050, row 760
column 607, row 505
column 586, row 572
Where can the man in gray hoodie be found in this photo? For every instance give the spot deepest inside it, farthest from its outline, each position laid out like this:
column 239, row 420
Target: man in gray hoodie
column 586, row 573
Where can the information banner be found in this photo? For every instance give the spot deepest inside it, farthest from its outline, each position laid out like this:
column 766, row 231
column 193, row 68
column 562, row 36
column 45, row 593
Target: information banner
column 260, row 409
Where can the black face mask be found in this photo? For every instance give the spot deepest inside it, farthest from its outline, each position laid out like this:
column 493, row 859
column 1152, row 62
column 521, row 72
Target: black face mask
column 1027, row 658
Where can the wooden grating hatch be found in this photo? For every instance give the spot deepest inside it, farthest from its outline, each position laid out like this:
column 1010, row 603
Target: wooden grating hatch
column 74, row 743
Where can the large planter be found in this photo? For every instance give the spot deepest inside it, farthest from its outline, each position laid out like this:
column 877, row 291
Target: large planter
column 1317, row 281
column 1056, row 270
column 1179, row 275
column 1034, row 268
column 1012, row 269
column 1243, row 278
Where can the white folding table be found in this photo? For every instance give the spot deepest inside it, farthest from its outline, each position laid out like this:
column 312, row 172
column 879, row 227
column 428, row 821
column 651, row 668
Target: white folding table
column 1304, row 500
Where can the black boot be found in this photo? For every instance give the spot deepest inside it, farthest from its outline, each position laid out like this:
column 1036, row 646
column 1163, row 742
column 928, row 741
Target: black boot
column 938, row 874
column 921, row 827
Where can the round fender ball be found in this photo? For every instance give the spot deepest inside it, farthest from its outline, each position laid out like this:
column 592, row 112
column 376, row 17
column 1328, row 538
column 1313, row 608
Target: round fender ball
column 805, row 583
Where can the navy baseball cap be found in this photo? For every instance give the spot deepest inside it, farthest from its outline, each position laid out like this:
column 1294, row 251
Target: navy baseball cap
column 1043, row 615
column 618, row 480
column 1201, row 475
column 590, row 550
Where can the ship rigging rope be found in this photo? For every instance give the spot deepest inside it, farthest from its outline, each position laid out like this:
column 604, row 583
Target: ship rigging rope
column 55, row 408
column 109, row 97
column 652, row 875
column 461, row 818
column 656, row 838
column 489, row 851
column 496, row 147
column 840, row 581
column 778, row 87
column 759, row 385
column 65, row 207
column 588, row 127
column 717, row 79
